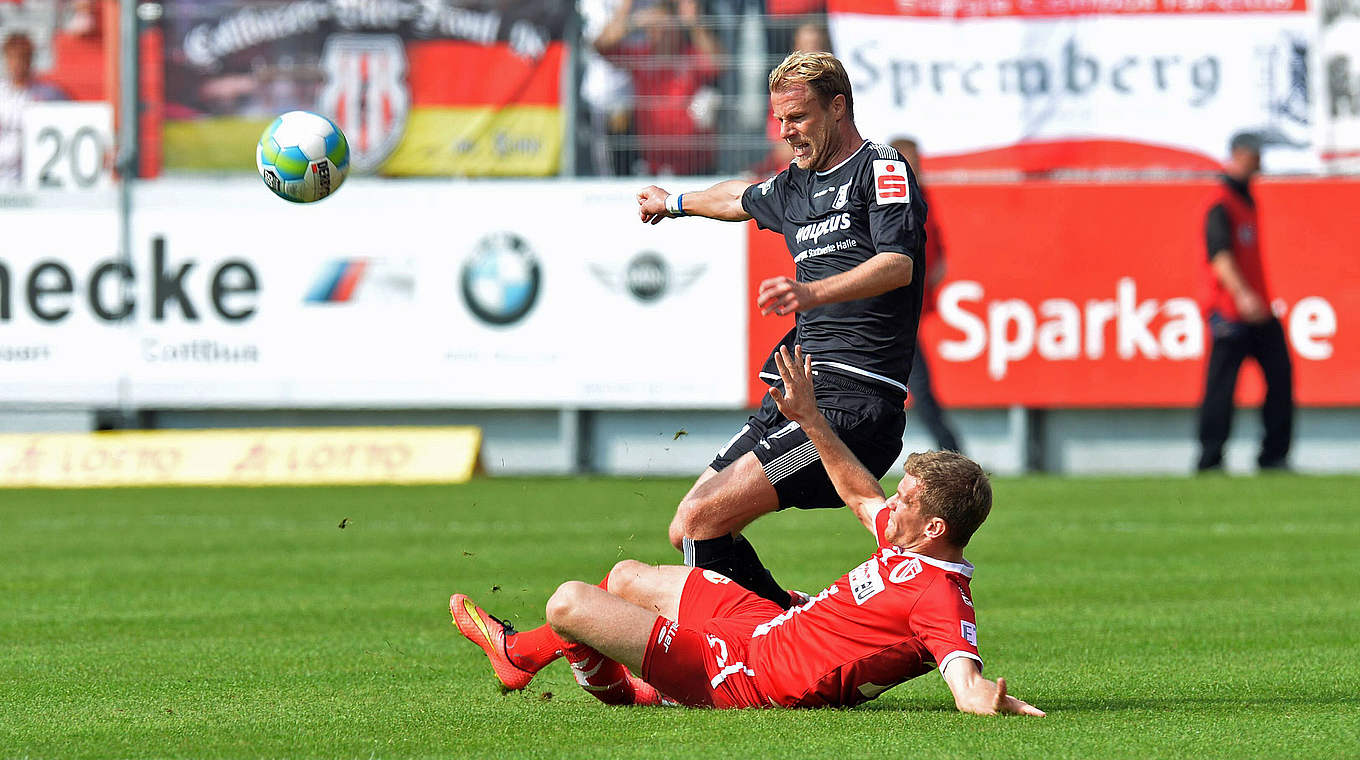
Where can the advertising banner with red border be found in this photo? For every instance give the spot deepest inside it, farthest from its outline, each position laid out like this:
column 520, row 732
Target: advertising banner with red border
column 1041, row 85
column 1070, row 295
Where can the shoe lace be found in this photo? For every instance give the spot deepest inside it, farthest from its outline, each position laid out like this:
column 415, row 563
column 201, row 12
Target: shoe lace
column 507, row 627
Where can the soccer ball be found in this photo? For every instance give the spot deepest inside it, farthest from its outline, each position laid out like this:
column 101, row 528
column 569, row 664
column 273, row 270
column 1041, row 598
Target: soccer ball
column 302, row 157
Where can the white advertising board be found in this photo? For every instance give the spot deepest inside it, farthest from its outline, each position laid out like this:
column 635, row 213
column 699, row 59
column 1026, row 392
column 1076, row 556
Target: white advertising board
column 62, row 339
column 68, row 147
column 1021, row 89
column 409, row 294
column 1337, row 84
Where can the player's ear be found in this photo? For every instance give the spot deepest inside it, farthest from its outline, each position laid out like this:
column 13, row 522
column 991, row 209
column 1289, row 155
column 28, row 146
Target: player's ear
column 838, row 106
column 936, row 527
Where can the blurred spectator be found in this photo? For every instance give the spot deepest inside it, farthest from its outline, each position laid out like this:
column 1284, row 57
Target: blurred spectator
column 18, row 89
column 786, row 18
column 81, row 66
column 672, row 66
column 607, row 92
column 1237, row 305
column 809, row 37
column 923, row 398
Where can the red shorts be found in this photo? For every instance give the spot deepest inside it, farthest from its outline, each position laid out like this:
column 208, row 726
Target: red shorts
column 701, row 660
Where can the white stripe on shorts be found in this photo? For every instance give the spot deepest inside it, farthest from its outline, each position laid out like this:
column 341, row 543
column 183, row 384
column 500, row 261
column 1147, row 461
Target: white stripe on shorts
column 791, row 461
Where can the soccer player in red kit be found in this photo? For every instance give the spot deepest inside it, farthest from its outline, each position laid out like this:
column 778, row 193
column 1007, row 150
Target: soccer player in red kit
column 698, row 639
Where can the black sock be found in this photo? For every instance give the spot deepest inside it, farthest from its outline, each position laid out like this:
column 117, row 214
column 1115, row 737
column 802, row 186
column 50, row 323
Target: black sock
column 736, row 559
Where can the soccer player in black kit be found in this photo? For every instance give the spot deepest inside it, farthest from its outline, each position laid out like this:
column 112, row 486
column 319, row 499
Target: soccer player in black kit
column 851, row 214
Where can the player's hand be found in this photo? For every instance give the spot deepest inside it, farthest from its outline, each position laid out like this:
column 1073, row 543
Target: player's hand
column 652, row 204
column 797, row 401
column 1251, row 306
column 1006, row 704
column 784, row 295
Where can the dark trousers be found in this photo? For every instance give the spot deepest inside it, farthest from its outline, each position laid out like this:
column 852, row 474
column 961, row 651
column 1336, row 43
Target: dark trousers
column 1233, row 342
column 924, row 404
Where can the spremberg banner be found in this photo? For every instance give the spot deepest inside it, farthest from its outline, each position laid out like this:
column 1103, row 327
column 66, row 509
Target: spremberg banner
column 1338, row 83
column 419, row 293
column 1039, row 85
column 409, row 81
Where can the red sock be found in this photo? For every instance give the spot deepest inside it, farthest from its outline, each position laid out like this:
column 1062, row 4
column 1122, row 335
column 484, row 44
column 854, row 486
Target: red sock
column 533, row 650
column 605, row 679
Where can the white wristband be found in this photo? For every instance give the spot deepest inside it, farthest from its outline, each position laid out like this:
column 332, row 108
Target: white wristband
column 674, row 204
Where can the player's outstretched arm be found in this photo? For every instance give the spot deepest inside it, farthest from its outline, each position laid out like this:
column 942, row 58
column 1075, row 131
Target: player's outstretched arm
column 856, row 486
column 722, row 202
column 977, row 695
column 881, row 273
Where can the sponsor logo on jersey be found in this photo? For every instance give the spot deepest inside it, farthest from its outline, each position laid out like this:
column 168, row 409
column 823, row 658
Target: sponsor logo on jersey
column 811, row 232
column 766, row 185
column 717, row 578
column 963, row 594
column 969, row 632
column 842, row 197
column 666, row 635
column 367, row 93
column 905, row 571
column 890, row 182
column 865, row 582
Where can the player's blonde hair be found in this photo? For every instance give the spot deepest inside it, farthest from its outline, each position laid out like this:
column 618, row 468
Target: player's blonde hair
column 953, row 488
column 821, row 72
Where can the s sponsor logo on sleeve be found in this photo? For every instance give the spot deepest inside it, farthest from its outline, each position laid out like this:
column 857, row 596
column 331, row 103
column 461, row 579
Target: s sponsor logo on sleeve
column 969, row 632
column 890, row 182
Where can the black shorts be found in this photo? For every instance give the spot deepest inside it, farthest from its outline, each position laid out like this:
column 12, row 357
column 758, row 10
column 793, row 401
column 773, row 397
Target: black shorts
column 870, row 422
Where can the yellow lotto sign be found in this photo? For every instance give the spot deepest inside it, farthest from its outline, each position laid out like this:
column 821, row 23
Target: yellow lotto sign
column 252, row 457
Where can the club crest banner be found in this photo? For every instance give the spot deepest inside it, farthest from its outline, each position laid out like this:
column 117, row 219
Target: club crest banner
column 443, row 87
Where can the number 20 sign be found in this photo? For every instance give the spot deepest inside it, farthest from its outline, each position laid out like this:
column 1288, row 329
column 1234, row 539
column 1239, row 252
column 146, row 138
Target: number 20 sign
column 68, row 146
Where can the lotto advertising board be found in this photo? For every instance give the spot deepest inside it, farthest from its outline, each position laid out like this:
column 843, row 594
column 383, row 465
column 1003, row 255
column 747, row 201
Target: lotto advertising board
column 420, row 293
column 1038, row 85
column 1086, row 295
column 445, row 87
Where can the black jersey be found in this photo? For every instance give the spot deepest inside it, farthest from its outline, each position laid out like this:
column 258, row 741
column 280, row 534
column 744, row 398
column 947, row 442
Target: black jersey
column 833, row 221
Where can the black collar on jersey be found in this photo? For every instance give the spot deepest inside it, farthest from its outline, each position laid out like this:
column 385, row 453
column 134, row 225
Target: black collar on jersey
column 1239, row 187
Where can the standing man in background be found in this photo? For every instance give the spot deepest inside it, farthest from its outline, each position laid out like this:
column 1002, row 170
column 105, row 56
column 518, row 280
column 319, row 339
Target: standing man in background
column 1236, row 303
column 923, row 399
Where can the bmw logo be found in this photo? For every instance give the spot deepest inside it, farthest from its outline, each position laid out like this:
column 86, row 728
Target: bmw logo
column 501, row 279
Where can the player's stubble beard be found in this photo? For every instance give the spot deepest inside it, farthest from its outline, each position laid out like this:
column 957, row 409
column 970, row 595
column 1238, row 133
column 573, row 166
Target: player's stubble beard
column 825, row 149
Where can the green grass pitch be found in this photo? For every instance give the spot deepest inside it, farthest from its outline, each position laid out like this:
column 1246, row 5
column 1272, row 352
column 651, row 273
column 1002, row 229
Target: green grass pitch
column 1179, row 618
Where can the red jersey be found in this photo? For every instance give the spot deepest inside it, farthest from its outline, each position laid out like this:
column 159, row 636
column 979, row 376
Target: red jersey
column 893, row 618
column 934, row 253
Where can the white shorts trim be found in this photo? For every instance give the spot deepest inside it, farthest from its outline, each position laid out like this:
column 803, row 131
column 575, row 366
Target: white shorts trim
column 863, row 372
column 791, row 461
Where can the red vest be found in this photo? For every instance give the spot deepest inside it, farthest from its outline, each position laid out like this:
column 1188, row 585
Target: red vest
column 934, row 253
column 1246, row 249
